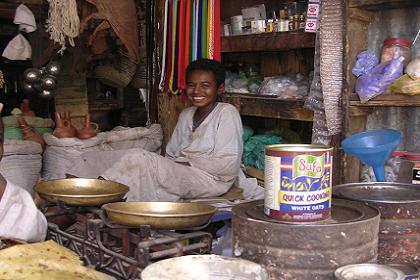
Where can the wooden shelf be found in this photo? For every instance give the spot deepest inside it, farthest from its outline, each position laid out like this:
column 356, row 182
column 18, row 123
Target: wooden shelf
column 270, row 41
column 375, row 5
column 388, row 100
column 269, row 107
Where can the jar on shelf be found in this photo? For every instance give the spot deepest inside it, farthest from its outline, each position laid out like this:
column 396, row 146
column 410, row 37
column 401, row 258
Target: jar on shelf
column 395, row 48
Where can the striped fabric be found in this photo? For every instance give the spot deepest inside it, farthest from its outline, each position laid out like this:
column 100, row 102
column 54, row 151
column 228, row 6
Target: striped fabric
column 191, row 32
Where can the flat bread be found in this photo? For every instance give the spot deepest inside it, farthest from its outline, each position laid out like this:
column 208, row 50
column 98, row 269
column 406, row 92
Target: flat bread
column 44, row 260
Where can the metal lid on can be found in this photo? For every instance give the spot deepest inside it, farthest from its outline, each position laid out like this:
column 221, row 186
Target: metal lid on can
column 382, row 192
column 367, row 271
column 298, row 148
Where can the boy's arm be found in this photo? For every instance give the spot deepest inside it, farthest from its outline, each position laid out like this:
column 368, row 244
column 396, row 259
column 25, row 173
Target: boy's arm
column 2, row 186
column 3, row 182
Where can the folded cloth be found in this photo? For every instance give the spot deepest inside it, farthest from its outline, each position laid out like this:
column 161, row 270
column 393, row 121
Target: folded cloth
column 25, row 18
column 18, row 49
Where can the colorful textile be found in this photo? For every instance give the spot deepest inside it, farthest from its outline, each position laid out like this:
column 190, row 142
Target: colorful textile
column 191, row 32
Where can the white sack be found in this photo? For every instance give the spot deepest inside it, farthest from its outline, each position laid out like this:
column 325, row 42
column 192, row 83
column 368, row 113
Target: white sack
column 21, row 163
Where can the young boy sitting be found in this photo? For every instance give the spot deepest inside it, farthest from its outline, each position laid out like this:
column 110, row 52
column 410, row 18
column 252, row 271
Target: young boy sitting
column 204, row 153
column 19, row 217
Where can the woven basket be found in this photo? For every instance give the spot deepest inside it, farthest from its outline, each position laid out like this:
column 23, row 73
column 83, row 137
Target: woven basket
column 119, row 75
column 140, row 78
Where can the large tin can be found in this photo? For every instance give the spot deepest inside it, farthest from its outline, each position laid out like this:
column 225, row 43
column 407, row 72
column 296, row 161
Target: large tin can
column 297, row 182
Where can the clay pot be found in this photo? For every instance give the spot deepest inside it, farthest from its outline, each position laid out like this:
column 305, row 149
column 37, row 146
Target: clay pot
column 26, row 110
column 89, row 130
column 66, row 116
column 63, row 128
column 29, row 133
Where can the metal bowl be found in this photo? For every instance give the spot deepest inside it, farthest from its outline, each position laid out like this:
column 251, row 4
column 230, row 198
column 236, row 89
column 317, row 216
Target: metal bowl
column 81, row 192
column 159, row 215
column 379, row 192
column 204, row 267
column 368, row 271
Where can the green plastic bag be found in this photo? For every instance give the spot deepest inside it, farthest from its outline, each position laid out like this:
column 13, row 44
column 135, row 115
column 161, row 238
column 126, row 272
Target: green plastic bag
column 254, row 149
column 248, row 132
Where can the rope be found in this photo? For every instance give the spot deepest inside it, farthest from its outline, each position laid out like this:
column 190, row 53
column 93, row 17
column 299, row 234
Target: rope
column 63, row 22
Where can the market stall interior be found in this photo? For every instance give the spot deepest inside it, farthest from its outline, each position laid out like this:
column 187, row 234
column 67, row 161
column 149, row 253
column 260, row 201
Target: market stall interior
column 210, row 139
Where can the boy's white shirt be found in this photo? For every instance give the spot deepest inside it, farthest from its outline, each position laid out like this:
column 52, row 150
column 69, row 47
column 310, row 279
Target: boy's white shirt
column 19, row 217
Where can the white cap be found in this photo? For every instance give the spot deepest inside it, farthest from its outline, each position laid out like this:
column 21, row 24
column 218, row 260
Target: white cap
column 25, row 18
column 18, row 49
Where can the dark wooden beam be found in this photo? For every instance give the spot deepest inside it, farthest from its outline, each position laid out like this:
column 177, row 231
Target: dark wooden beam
column 383, row 4
column 270, row 41
column 38, row 7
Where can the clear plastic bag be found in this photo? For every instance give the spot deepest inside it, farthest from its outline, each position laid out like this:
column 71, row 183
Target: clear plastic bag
column 413, row 69
column 285, row 86
column 379, row 79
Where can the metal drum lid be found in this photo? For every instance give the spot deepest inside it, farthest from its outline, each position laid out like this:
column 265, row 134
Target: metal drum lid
column 384, row 192
column 342, row 211
column 367, row 271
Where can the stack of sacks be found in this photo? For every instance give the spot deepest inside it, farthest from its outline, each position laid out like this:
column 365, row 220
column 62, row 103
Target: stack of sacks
column 21, row 163
column 89, row 158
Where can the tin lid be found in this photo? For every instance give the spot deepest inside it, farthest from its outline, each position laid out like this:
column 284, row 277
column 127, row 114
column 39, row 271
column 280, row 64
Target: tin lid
column 382, row 192
column 397, row 41
column 412, row 156
column 367, row 271
column 298, row 148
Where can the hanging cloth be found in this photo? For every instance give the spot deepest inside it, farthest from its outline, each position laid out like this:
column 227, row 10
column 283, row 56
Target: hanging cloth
column 181, row 44
column 176, row 52
column 192, row 21
column 164, row 54
column 187, row 41
column 204, row 29
column 168, row 69
column 199, row 28
column 210, row 29
column 195, row 38
column 217, row 48
column 173, row 49
column 191, row 32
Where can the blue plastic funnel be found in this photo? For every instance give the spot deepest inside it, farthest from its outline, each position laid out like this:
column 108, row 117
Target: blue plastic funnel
column 373, row 147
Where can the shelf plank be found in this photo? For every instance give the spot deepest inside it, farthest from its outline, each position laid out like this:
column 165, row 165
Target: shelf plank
column 388, row 100
column 269, row 107
column 375, row 5
column 270, row 41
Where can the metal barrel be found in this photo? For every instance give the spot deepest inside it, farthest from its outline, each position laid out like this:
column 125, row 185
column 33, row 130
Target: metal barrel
column 306, row 251
column 399, row 229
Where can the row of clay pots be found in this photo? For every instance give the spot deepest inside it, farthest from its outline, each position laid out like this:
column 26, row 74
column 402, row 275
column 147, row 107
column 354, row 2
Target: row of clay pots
column 65, row 129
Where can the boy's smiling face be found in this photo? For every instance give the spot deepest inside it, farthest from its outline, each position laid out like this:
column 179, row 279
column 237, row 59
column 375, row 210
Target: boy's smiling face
column 202, row 89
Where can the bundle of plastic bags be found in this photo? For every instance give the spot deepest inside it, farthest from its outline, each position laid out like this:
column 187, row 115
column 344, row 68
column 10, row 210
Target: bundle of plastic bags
column 373, row 80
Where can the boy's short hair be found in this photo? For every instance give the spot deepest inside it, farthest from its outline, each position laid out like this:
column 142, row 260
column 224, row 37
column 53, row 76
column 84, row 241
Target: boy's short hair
column 208, row 65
